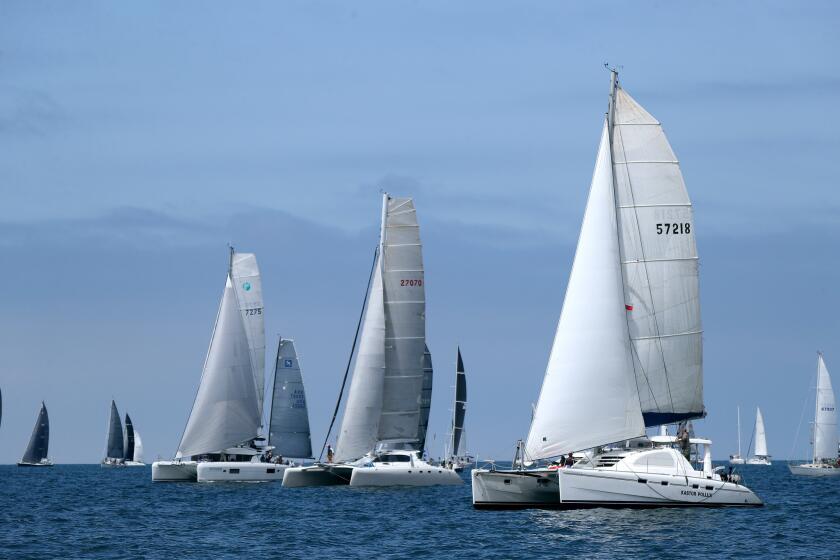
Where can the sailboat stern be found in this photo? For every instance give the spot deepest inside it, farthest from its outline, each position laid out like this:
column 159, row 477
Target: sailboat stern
column 492, row 489
column 317, row 475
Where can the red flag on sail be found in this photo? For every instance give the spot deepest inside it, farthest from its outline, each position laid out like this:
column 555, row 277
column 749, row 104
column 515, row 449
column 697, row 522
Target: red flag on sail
column 628, row 307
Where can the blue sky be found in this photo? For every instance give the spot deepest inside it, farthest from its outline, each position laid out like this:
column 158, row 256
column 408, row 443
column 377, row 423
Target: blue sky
column 137, row 140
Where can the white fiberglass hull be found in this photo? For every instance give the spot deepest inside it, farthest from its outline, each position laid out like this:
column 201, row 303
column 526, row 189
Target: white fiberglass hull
column 232, row 471
column 736, row 460
column 43, row 463
column 515, row 489
column 404, row 474
column 814, row 470
column 317, row 475
column 759, row 461
column 134, row 464
column 174, row 471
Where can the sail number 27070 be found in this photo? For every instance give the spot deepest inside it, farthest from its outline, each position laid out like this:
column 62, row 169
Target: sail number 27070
column 411, row 282
column 675, row 228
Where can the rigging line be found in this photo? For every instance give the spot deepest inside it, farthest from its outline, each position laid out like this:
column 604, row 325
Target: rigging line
column 752, row 436
column 647, row 276
column 634, row 350
column 352, row 350
column 801, row 416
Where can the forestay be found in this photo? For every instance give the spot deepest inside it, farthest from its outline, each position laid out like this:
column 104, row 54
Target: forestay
column 289, row 424
column 226, row 410
column 588, row 396
column 825, row 417
column 248, row 283
column 659, row 266
column 39, row 442
column 115, row 445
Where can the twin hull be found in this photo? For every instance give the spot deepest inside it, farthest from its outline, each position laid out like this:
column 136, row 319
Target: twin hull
column 174, row 471
column 238, row 471
column 385, row 475
column 814, row 470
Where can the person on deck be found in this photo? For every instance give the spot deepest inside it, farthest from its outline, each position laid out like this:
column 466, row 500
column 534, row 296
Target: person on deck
column 329, row 454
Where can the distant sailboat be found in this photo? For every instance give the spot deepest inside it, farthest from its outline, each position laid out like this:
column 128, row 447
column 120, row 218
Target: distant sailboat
column 627, row 352
column 824, row 458
column 132, row 442
column 115, row 447
column 456, row 460
column 383, row 428
column 760, row 457
column 737, row 459
column 36, row 454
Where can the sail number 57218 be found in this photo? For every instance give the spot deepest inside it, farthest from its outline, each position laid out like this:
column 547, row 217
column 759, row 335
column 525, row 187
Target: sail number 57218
column 675, row 228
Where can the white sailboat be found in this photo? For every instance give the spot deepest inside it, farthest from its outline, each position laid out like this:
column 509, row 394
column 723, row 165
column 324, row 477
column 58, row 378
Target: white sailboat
column 760, row 457
column 138, row 449
column 628, row 348
column 737, row 459
column 457, row 458
column 824, row 458
column 226, row 415
column 131, row 440
column 382, row 431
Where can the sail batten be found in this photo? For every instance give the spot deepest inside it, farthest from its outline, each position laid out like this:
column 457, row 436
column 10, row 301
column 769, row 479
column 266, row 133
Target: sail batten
column 289, row 426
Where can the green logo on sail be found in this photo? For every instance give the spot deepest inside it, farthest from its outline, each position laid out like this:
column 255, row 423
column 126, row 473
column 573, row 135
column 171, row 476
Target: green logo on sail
column 247, row 286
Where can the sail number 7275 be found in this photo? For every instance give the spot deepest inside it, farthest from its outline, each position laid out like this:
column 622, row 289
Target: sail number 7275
column 675, row 228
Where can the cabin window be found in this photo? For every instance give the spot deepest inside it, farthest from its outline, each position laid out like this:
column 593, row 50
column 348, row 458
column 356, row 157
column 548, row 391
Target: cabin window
column 269, row 471
column 642, row 480
column 710, row 487
column 234, row 471
column 507, row 481
column 392, row 459
column 695, row 486
column 664, row 483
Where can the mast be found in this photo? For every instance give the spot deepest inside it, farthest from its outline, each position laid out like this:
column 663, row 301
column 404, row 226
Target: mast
column 815, row 428
column 739, row 431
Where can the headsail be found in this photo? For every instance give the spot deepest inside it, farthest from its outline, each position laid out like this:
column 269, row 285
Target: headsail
column 128, row 452
column 138, row 447
column 460, row 409
column 248, row 283
column 825, row 416
column 659, row 265
column 589, row 397
column 760, row 435
column 115, row 449
column 226, row 410
column 289, row 424
column 39, row 442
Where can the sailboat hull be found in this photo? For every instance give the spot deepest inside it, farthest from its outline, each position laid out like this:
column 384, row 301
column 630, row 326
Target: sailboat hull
column 317, row 475
column 404, row 474
column 41, row 464
column 231, row 471
column 174, row 471
column 759, row 461
column 814, row 470
column 515, row 489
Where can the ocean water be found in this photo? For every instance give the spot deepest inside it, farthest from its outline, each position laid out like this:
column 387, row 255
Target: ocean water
column 84, row 511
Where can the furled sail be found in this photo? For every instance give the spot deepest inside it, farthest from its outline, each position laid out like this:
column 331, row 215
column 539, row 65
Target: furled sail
column 39, row 442
column 138, row 447
column 425, row 400
column 248, row 284
column 360, row 422
column 128, row 452
column 659, row 266
column 289, row 424
column 115, row 449
column 226, row 410
column 588, row 396
column 825, row 416
column 460, row 407
column 760, row 435
column 405, row 322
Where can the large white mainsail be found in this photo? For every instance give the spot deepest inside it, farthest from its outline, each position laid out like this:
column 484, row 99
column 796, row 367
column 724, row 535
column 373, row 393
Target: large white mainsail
column 138, row 447
column 588, row 397
column 825, row 416
column 659, row 265
column 248, row 283
column 226, row 411
column 289, row 425
column 760, row 435
column 384, row 402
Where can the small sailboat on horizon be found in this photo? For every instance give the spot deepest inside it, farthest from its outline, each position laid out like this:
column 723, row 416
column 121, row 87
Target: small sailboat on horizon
column 37, row 452
column 455, row 459
column 115, row 445
column 824, row 460
column 737, row 459
column 760, row 457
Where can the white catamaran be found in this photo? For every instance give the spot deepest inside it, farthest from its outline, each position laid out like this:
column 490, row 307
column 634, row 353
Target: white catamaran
column 381, row 439
column 760, row 457
column 627, row 353
column 737, row 459
column 226, row 417
column 824, row 458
